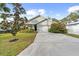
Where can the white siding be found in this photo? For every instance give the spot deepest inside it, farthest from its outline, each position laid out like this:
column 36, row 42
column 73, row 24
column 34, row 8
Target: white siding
column 73, row 29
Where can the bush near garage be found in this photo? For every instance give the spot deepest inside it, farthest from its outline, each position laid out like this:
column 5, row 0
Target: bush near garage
column 58, row 27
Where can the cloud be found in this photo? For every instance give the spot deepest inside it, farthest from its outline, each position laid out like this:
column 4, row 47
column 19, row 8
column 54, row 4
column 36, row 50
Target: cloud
column 41, row 11
column 31, row 12
column 34, row 12
column 73, row 9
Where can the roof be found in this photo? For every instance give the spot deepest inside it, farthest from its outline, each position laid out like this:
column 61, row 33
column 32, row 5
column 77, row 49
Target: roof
column 36, row 20
column 73, row 23
column 34, row 17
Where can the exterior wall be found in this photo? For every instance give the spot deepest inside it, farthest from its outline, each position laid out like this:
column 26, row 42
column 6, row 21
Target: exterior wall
column 73, row 29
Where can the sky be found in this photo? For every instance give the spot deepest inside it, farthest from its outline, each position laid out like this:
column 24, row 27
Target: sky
column 54, row 10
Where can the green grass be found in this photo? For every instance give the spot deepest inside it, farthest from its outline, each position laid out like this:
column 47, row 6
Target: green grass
column 73, row 35
column 13, row 48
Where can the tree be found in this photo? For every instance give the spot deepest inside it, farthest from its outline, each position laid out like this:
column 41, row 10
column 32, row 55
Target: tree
column 4, row 25
column 71, row 17
column 18, row 9
column 55, row 20
column 4, row 10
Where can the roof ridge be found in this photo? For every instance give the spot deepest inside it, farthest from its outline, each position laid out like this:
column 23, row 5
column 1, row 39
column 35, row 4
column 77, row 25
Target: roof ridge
column 34, row 17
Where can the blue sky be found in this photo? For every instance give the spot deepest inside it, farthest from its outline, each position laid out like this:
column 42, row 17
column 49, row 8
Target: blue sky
column 54, row 10
column 57, row 10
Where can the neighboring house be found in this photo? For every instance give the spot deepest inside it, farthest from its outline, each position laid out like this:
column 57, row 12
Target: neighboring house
column 73, row 27
column 40, row 23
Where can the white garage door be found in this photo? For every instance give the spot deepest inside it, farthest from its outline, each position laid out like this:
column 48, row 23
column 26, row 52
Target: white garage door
column 42, row 28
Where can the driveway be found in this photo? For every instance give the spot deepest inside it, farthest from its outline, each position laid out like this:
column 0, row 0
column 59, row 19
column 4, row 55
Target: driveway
column 51, row 44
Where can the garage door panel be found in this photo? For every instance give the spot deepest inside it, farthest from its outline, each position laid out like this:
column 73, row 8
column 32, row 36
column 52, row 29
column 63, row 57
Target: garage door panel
column 42, row 28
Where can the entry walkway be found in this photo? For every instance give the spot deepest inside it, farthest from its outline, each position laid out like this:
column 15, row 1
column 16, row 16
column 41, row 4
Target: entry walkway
column 51, row 44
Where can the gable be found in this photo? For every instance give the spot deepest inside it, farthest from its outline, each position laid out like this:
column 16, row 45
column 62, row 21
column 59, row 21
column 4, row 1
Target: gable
column 36, row 19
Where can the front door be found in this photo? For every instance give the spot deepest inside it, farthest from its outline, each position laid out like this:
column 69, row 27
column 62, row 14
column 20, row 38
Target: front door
column 35, row 27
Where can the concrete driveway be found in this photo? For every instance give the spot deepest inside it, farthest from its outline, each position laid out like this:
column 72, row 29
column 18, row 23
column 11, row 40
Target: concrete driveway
column 51, row 44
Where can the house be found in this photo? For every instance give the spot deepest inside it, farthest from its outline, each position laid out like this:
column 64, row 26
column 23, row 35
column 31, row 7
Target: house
column 40, row 23
column 73, row 27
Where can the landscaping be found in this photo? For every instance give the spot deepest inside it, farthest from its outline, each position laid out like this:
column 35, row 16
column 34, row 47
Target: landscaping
column 58, row 27
column 8, row 48
column 73, row 35
column 15, row 35
column 18, row 30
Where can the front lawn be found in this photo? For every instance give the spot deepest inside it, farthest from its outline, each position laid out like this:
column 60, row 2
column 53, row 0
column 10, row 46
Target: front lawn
column 13, row 48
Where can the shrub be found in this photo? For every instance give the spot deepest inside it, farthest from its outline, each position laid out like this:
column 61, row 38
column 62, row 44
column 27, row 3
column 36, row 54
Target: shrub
column 58, row 27
column 30, row 30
